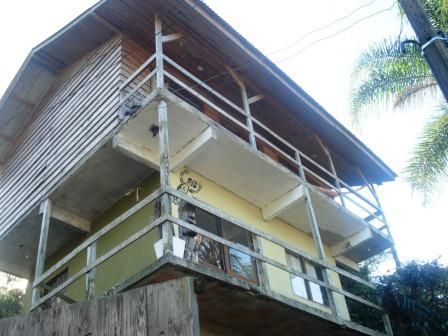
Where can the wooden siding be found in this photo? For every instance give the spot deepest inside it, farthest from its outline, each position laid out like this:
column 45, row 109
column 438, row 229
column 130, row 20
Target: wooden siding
column 168, row 308
column 79, row 114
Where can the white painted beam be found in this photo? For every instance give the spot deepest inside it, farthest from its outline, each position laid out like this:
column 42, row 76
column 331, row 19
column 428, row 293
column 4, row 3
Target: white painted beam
column 136, row 151
column 71, row 219
column 172, row 37
column 192, row 149
column 351, row 242
column 283, row 203
column 254, row 99
column 348, row 262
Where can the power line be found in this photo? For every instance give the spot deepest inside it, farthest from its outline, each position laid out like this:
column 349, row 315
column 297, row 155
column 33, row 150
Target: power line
column 322, row 28
column 250, row 64
column 338, row 32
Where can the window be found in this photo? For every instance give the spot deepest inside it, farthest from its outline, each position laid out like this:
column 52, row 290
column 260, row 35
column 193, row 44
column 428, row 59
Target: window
column 304, row 288
column 207, row 251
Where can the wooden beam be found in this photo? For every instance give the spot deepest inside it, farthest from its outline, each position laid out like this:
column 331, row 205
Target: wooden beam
column 71, row 219
column 172, row 37
column 106, row 22
column 348, row 244
column 254, row 99
column 283, row 203
column 136, row 151
column 41, row 251
column 192, row 149
column 22, row 100
column 348, row 263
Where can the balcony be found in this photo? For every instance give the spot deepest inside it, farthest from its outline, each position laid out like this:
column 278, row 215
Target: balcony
column 213, row 136
column 237, row 268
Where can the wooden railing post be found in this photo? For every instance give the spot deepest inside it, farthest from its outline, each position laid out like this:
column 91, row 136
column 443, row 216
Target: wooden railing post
column 246, row 105
column 45, row 210
column 262, row 272
column 159, row 51
column 90, row 277
column 385, row 317
column 316, row 235
column 165, row 204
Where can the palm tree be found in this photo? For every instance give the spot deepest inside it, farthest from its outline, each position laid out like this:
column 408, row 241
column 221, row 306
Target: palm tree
column 388, row 73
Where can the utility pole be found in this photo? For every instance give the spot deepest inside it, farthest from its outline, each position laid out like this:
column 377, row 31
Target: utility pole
column 433, row 45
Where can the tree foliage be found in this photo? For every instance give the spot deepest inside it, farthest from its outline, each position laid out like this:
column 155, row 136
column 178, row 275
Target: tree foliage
column 387, row 74
column 11, row 302
column 415, row 297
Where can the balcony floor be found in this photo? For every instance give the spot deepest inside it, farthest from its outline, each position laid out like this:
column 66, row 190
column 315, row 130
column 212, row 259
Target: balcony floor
column 238, row 307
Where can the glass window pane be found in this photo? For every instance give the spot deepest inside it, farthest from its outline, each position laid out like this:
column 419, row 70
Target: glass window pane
column 207, row 250
column 235, row 234
column 299, row 287
column 316, row 290
column 242, row 264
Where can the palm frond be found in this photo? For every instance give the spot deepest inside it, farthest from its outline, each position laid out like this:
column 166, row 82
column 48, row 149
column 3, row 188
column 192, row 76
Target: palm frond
column 384, row 75
column 437, row 12
column 417, row 93
column 429, row 161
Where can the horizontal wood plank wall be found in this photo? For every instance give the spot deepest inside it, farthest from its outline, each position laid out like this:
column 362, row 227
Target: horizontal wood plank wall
column 81, row 111
column 168, row 308
column 134, row 55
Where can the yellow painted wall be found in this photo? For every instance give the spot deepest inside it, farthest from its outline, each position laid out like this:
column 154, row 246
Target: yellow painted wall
column 231, row 204
column 141, row 253
column 124, row 264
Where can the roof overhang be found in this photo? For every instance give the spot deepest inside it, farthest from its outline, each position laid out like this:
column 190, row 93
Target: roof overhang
column 110, row 17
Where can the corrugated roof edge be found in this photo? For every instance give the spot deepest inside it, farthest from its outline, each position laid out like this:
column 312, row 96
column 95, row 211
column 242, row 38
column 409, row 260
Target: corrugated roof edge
column 317, row 107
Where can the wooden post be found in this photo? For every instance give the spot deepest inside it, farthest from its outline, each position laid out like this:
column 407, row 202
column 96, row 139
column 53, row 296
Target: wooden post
column 159, row 52
column 246, row 105
column 316, row 235
column 332, row 168
column 90, row 277
column 433, row 46
column 261, row 266
column 45, row 210
column 392, row 249
column 165, row 204
column 385, row 317
column 383, row 216
column 250, row 125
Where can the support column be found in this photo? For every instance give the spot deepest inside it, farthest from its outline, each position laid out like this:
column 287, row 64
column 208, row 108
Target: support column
column 262, row 272
column 45, row 210
column 165, row 205
column 316, row 235
column 383, row 216
column 246, row 106
column 333, row 170
column 392, row 249
column 250, row 125
column 90, row 277
column 159, row 52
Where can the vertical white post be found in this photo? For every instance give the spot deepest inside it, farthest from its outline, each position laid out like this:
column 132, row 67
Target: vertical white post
column 316, row 235
column 90, row 278
column 167, row 228
column 261, row 266
column 392, row 249
column 45, row 210
column 250, row 125
column 159, row 52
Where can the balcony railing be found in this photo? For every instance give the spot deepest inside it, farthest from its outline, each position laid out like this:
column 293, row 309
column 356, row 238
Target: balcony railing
column 265, row 262
column 187, row 87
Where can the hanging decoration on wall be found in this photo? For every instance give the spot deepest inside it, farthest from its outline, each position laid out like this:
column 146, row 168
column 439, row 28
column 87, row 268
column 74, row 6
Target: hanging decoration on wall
column 187, row 185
